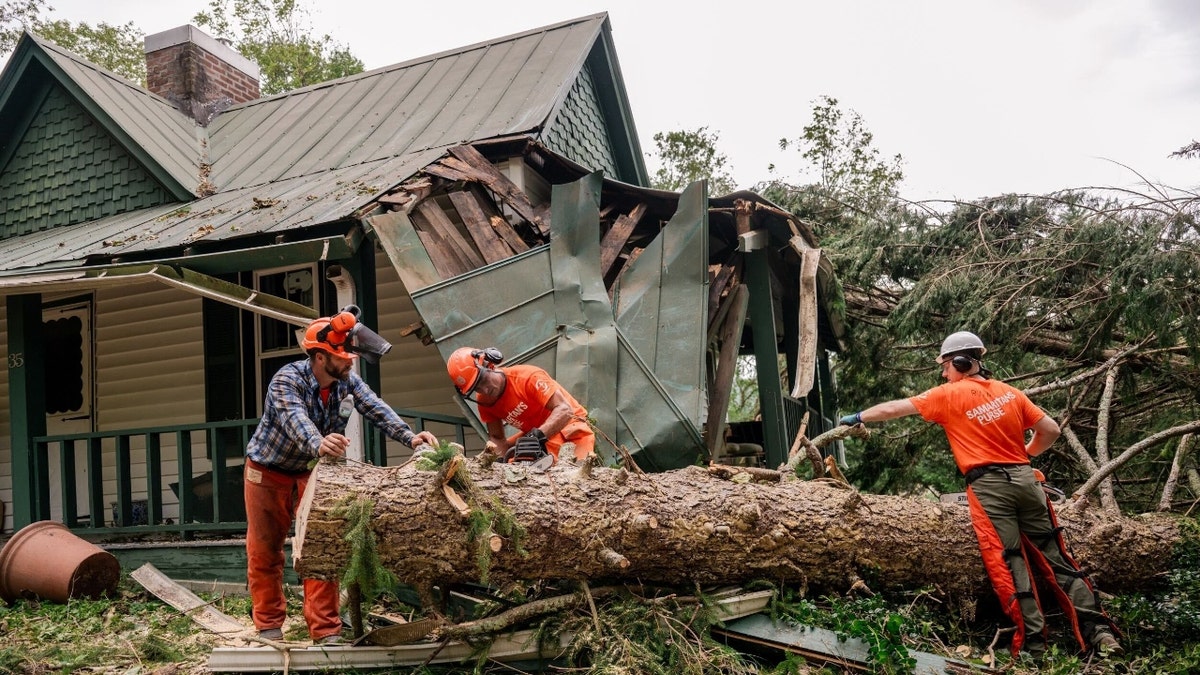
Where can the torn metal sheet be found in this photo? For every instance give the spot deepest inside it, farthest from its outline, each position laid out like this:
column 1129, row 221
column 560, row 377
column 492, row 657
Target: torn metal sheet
column 825, row 646
column 640, row 374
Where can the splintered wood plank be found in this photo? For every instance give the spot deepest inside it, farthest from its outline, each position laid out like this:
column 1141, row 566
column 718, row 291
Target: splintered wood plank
column 719, row 281
column 460, row 247
column 499, row 223
column 614, row 240
column 444, row 261
column 440, row 170
column 490, row 244
column 489, row 175
column 187, row 602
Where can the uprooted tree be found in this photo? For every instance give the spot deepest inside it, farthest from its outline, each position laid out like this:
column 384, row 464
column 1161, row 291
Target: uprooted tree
column 466, row 520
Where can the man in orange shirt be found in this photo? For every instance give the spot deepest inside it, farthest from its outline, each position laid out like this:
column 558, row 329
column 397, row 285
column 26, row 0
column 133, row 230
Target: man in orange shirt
column 985, row 422
column 524, row 397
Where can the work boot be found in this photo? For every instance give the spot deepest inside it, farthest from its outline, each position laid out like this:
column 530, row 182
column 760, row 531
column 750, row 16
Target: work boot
column 329, row 640
column 271, row 633
column 1106, row 645
column 1034, row 648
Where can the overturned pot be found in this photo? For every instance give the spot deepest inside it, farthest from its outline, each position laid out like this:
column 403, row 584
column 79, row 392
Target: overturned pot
column 46, row 560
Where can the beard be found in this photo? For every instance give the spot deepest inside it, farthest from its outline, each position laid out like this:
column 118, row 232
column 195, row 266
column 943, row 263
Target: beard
column 332, row 369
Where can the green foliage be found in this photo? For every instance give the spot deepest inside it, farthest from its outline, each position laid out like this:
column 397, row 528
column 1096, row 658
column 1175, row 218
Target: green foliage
column 117, row 48
column 277, row 34
column 364, row 568
column 488, row 514
column 486, row 520
column 662, row 637
column 688, row 156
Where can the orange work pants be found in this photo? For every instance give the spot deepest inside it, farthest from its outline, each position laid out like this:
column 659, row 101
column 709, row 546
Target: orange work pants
column 271, row 501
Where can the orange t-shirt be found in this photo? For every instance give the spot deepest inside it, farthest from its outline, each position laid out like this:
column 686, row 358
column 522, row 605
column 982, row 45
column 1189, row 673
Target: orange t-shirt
column 984, row 420
column 523, row 404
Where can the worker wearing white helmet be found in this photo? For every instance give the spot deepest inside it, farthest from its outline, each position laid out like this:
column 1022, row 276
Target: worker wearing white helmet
column 985, row 422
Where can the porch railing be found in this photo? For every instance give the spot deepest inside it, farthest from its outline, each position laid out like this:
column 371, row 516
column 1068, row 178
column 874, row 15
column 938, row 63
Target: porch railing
column 180, row 480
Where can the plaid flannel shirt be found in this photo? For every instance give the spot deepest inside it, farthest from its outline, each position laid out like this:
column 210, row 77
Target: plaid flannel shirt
column 295, row 420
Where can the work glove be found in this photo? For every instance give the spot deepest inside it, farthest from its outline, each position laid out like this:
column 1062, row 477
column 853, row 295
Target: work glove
column 528, row 448
column 851, row 420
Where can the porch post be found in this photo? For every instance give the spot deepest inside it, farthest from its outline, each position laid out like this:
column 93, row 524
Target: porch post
column 26, row 402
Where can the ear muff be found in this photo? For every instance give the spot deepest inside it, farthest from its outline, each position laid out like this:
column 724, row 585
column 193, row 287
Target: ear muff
column 962, row 363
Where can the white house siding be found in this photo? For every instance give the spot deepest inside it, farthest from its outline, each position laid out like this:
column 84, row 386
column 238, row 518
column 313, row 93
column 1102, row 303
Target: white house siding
column 413, row 376
column 149, row 373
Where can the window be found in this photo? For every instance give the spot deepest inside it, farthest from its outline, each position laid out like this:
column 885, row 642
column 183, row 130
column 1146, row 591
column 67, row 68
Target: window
column 277, row 343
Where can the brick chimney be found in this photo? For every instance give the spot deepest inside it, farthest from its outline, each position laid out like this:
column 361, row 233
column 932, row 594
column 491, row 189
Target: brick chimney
column 199, row 74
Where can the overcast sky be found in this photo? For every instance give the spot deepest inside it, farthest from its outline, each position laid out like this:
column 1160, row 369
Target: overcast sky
column 981, row 97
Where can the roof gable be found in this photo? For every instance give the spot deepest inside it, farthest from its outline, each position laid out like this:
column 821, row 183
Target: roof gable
column 162, row 139
column 63, row 169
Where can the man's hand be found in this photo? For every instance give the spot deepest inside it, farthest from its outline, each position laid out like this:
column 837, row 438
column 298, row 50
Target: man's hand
column 538, row 435
column 333, row 445
column 851, row 420
column 423, row 438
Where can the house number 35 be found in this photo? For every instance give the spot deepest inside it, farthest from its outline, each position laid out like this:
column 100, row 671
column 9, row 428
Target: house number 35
column 16, row 360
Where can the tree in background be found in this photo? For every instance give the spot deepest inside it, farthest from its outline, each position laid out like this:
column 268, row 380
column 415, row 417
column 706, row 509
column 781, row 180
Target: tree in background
column 1090, row 301
column 116, row 48
column 688, row 156
column 277, row 35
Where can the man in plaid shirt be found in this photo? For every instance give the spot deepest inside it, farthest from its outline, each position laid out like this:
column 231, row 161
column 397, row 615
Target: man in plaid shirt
column 300, row 423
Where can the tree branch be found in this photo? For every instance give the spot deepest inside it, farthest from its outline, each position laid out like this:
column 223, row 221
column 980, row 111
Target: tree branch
column 1131, row 452
column 1168, row 492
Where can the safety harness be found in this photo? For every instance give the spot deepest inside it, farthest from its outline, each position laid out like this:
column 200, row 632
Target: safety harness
column 995, row 561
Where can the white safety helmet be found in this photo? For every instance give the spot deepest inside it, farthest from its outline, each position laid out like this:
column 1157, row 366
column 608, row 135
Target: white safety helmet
column 960, row 341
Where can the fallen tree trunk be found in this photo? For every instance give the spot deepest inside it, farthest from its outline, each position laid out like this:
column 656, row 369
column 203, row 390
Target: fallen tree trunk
column 680, row 527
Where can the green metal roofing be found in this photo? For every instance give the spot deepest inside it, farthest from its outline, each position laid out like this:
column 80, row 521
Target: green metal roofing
column 316, row 155
column 507, row 86
column 164, row 139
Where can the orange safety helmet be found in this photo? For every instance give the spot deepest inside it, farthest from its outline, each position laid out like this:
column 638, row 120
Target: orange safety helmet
column 322, row 334
column 344, row 335
column 466, row 365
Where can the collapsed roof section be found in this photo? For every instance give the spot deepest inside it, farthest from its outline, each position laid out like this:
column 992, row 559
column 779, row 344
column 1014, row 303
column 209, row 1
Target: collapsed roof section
column 634, row 299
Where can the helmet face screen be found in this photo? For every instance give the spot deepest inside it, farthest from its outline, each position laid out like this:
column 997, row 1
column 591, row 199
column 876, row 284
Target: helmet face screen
column 368, row 343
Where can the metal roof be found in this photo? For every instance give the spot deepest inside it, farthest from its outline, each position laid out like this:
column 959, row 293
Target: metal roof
column 501, row 87
column 277, row 207
column 310, row 156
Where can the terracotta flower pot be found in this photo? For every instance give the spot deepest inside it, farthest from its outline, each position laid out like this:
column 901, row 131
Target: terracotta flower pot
column 45, row 560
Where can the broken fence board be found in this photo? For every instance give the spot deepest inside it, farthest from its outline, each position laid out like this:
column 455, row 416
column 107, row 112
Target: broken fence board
column 187, row 602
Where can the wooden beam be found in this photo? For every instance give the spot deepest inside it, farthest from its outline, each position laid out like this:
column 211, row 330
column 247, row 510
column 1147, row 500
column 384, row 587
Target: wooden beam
column 440, row 170
column 614, row 240
column 460, row 247
column 730, row 340
column 497, row 220
column 446, row 264
column 720, row 281
column 479, row 226
column 490, row 176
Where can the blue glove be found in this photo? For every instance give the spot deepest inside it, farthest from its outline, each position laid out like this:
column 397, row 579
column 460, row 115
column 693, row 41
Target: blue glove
column 851, row 420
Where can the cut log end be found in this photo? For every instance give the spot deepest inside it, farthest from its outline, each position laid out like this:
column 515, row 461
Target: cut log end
column 613, row 559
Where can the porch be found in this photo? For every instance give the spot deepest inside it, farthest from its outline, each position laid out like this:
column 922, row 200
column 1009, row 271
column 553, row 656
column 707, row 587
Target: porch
column 149, row 494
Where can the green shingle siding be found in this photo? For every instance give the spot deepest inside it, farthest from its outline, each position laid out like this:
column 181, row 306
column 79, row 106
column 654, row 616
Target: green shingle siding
column 579, row 131
column 66, row 169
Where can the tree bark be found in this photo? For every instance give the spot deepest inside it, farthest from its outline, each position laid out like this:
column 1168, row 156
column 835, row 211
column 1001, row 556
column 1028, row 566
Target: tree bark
column 688, row 526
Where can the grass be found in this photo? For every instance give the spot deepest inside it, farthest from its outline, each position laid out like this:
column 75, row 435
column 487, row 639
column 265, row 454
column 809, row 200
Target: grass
column 631, row 632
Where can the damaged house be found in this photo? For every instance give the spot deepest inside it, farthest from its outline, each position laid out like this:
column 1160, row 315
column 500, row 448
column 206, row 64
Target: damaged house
column 159, row 248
